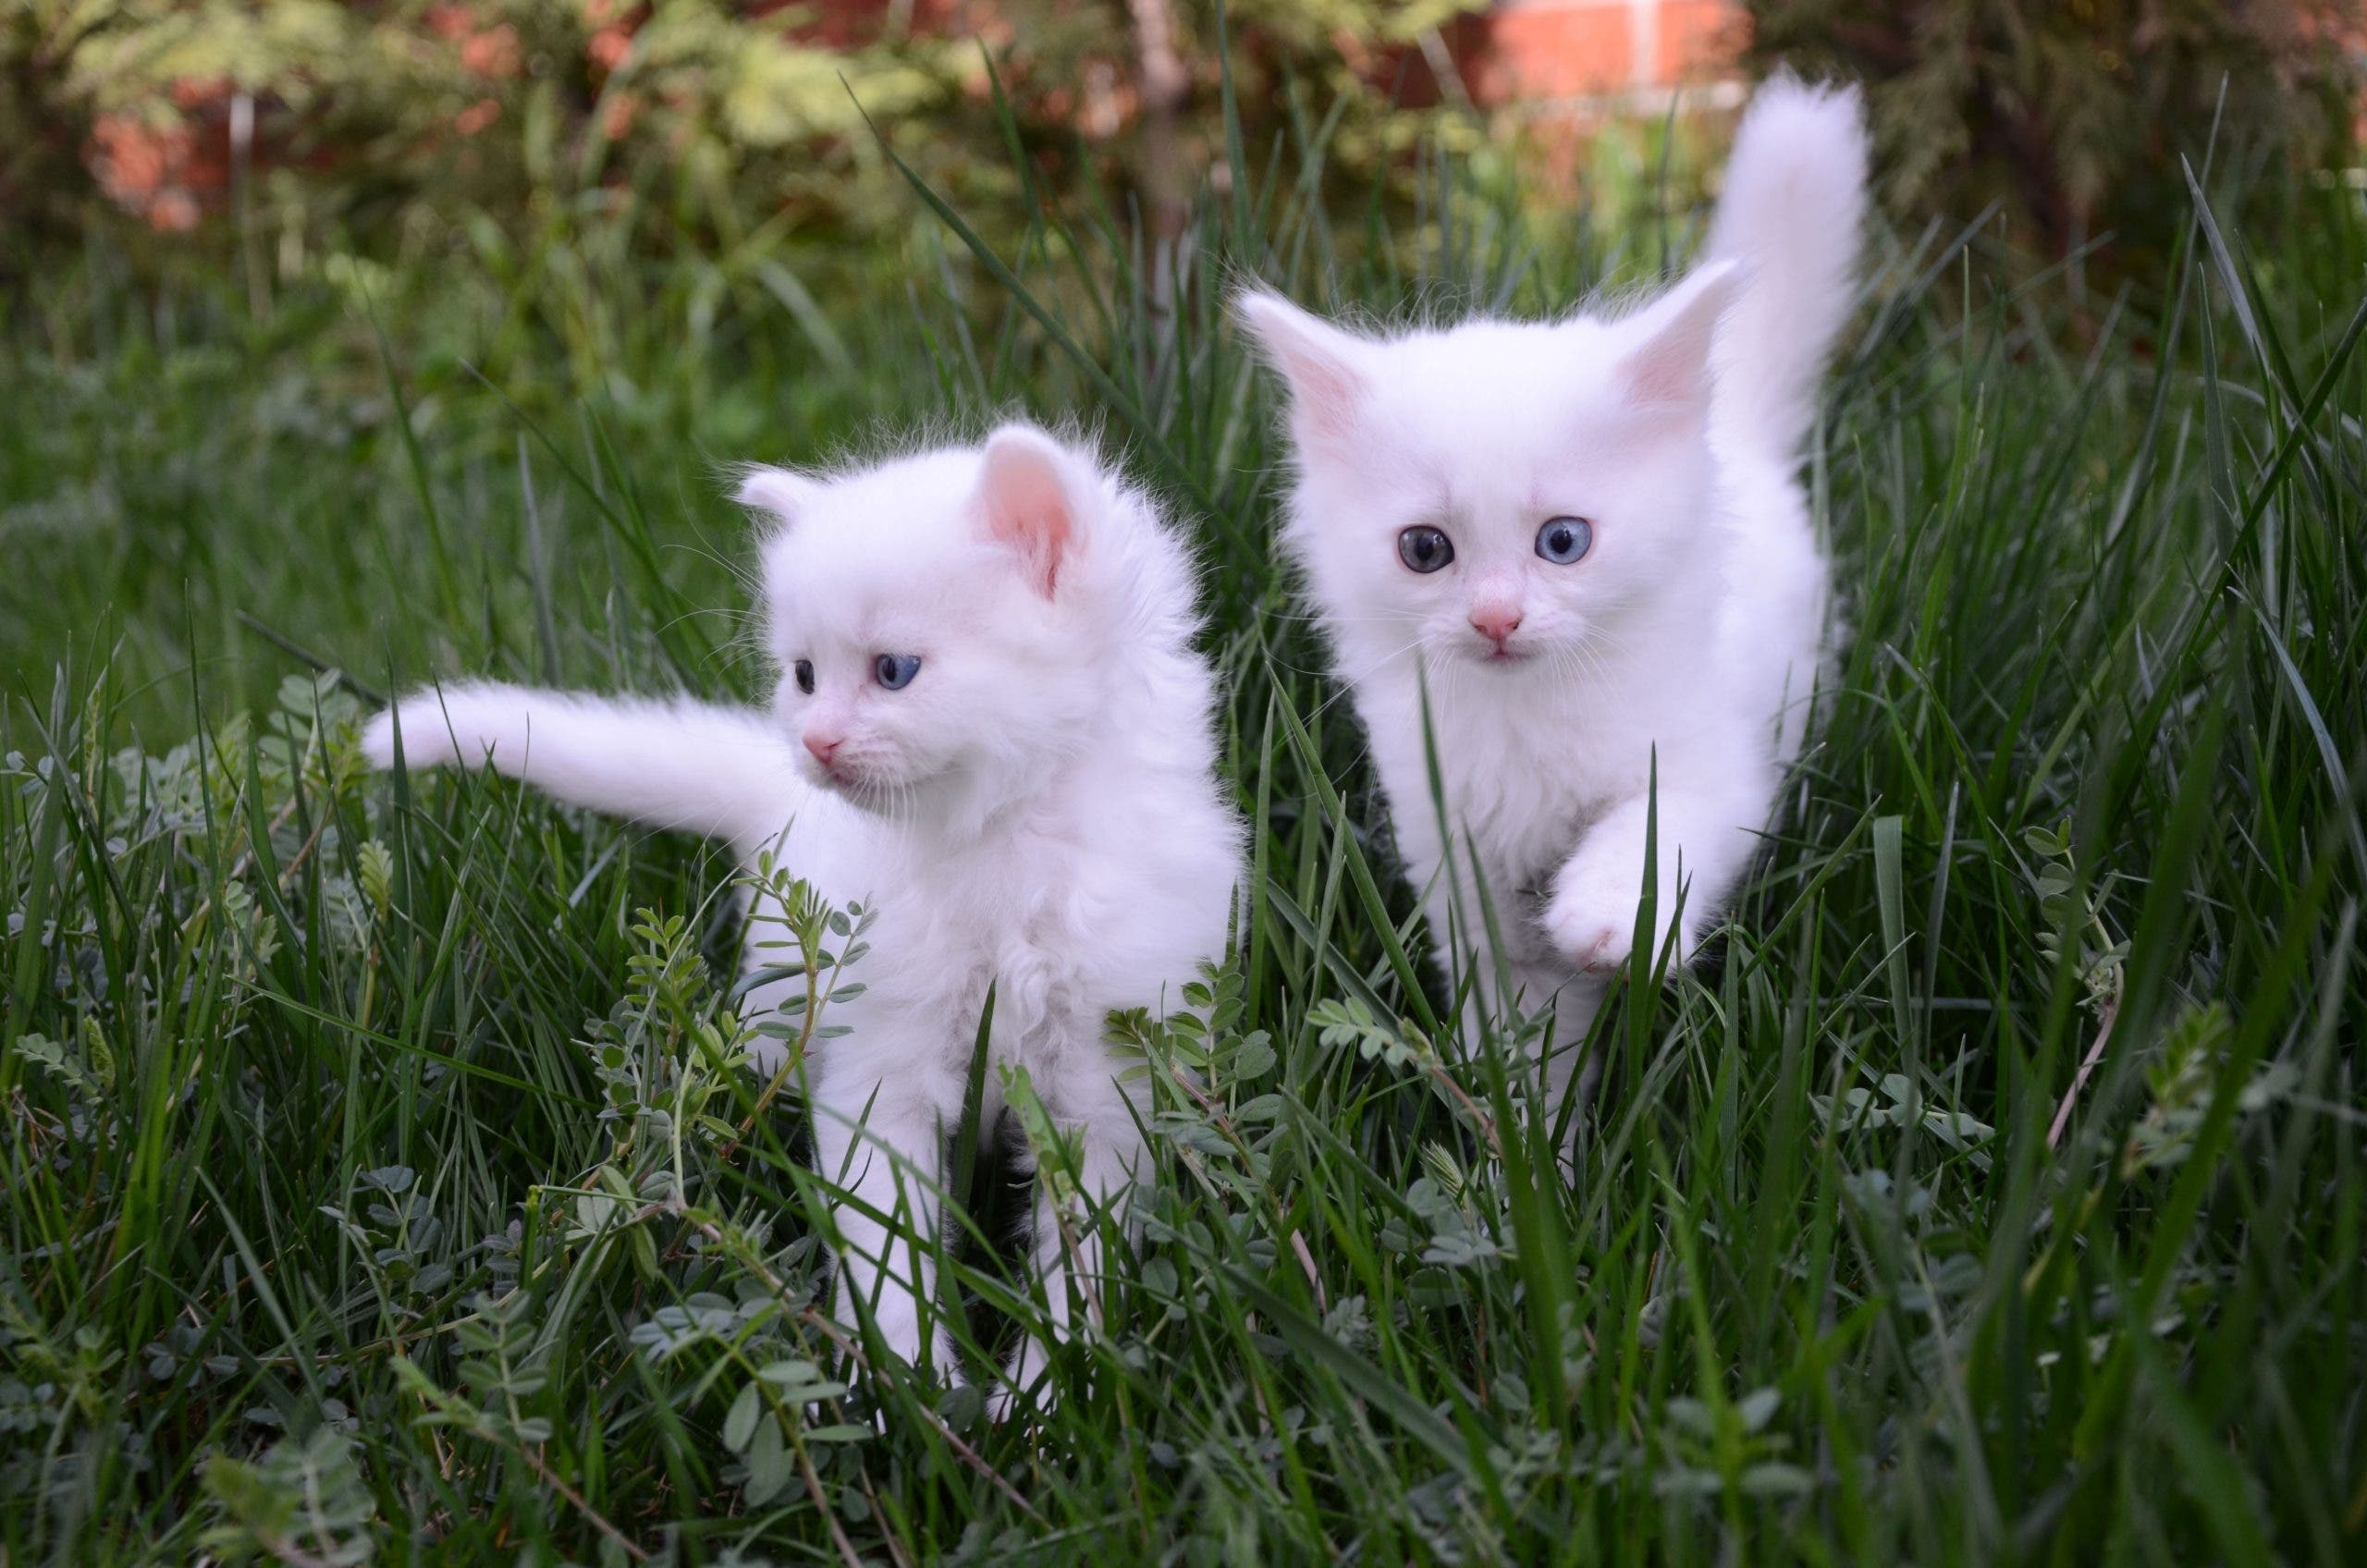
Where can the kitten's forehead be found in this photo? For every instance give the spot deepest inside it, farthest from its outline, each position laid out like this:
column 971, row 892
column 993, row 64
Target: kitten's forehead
column 1493, row 397
column 882, row 548
column 1505, row 359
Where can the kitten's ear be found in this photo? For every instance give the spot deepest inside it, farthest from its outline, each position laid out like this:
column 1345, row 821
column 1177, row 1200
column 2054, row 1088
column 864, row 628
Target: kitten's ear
column 1667, row 373
column 778, row 493
column 1325, row 367
column 1028, row 499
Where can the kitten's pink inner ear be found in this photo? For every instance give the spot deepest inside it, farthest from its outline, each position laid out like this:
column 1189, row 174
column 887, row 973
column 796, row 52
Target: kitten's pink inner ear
column 1024, row 501
column 1669, row 372
column 1319, row 361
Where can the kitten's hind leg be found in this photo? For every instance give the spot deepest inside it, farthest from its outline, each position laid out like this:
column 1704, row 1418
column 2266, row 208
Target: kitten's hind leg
column 1570, row 1071
column 880, row 1135
column 1073, row 1207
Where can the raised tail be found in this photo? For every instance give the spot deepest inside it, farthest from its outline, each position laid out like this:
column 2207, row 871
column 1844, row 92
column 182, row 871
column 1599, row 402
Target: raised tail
column 671, row 764
column 1794, row 204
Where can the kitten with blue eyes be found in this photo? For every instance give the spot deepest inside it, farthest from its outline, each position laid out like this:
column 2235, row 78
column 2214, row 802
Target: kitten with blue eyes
column 992, row 729
column 1558, row 555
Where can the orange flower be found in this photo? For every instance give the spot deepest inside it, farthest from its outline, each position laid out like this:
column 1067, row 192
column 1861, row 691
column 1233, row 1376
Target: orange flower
column 610, row 46
column 493, row 52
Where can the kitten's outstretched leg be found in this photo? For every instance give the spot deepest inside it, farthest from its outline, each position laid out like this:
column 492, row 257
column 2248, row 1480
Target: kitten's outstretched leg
column 1068, row 1247
column 880, row 1134
column 675, row 764
column 1706, row 839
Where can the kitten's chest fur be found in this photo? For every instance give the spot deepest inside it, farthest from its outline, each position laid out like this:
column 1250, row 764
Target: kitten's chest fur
column 1000, row 921
column 1522, row 773
column 1084, row 905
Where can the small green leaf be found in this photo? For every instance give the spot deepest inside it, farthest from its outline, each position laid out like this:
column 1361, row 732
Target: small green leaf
column 1776, row 1480
column 739, row 1424
column 768, row 1464
column 842, row 1432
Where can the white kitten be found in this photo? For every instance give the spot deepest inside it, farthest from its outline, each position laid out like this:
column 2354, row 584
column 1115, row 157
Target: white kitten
column 991, row 727
column 1587, row 539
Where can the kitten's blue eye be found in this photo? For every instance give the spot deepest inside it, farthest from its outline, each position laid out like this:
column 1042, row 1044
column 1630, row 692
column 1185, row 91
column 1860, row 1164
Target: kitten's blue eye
column 1423, row 549
column 895, row 670
column 804, row 669
column 1564, row 539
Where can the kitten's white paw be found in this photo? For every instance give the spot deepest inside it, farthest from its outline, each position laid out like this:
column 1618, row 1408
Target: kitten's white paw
column 1591, row 921
column 898, row 1326
column 896, row 1323
column 1594, row 933
column 1016, row 1393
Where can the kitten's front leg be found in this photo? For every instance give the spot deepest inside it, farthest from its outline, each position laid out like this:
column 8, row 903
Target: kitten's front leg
column 1704, row 842
column 879, row 1133
column 668, row 762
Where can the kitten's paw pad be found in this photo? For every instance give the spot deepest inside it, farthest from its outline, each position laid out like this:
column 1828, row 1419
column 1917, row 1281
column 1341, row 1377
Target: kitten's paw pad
column 1594, row 928
column 1594, row 941
column 1591, row 922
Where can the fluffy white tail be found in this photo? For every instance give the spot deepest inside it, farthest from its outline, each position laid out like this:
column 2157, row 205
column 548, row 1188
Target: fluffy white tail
column 722, row 772
column 1794, row 203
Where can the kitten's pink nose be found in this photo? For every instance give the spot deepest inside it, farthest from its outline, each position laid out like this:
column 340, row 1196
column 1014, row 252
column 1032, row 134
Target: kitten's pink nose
column 1495, row 622
column 823, row 747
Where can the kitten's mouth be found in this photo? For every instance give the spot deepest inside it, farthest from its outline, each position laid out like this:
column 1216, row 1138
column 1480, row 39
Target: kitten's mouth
column 880, row 797
column 1498, row 654
column 856, row 792
column 838, row 776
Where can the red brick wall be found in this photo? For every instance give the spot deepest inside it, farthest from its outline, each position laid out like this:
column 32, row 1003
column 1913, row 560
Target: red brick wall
column 1530, row 50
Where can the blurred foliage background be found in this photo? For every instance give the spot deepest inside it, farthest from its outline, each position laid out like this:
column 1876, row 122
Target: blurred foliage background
column 693, row 211
column 569, row 172
column 300, row 138
column 228, row 226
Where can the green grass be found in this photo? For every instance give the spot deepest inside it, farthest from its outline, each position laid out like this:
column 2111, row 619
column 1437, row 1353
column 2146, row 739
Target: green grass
column 325, row 1227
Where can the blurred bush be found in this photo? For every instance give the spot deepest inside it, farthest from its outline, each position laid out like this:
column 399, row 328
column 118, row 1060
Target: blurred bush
column 359, row 124
column 387, row 129
column 2071, row 115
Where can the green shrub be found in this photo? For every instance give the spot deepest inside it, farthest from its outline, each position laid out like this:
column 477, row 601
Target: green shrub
column 2070, row 116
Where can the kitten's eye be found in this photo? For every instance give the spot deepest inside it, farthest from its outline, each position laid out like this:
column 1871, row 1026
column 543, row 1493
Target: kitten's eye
column 1564, row 539
column 1423, row 549
column 895, row 670
column 805, row 670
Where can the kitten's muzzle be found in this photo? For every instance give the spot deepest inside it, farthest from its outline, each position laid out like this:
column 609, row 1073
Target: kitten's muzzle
column 828, row 752
column 1496, row 621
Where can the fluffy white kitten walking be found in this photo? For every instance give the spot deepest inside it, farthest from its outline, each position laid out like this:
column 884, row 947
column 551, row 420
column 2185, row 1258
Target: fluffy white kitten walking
column 1588, row 539
column 992, row 727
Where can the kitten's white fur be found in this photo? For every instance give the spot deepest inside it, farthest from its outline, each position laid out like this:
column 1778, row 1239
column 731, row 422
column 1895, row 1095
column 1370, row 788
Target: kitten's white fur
column 1038, row 809
column 1693, row 628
